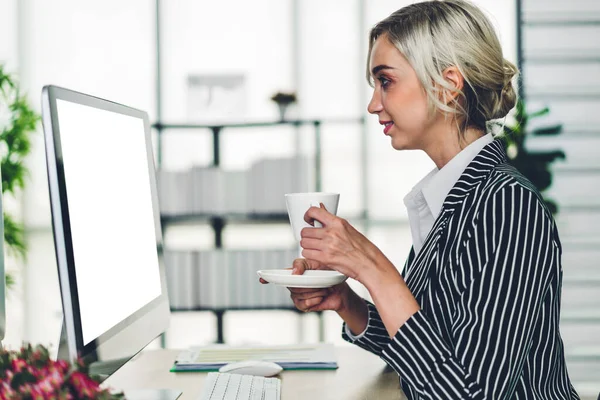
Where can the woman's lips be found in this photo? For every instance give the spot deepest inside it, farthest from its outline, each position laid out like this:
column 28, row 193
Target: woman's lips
column 387, row 127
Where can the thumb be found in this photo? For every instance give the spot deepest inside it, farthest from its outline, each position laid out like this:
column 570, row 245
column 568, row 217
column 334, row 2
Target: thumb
column 299, row 266
column 302, row 264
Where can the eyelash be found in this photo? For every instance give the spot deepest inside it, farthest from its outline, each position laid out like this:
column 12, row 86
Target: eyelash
column 383, row 81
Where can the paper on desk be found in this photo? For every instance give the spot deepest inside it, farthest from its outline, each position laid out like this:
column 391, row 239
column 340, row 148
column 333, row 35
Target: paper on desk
column 302, row 356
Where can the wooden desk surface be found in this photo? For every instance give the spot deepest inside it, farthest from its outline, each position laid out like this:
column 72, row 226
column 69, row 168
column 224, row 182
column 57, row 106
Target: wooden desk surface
column 360, row 375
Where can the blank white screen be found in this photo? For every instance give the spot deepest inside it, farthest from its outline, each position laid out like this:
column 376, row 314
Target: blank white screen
column 110, row 208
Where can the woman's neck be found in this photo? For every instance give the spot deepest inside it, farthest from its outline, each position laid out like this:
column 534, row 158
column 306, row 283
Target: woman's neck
column 447, row 145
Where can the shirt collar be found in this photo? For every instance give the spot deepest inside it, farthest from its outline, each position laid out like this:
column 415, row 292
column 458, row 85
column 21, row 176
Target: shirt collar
column 438, row 183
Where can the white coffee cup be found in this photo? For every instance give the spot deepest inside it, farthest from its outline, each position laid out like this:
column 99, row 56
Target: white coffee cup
column 298, row 203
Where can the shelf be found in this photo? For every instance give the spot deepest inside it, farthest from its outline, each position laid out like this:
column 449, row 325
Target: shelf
column 590, row 316
column 580, row 243
column 569, row 129
column 582, row 280
column 583, row 92
column 587, row 208
column 561, row 18
column 562, row 56
column 252, row 124
column 222, row 310
column 252, row 218
column 560, row 168
column 584, row 353
column 587, row 131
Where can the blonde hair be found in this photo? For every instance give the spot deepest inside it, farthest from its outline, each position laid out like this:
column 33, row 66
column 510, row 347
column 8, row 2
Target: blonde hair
column 435, row 35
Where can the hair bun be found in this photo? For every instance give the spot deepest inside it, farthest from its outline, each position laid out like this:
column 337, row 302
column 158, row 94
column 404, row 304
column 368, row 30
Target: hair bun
column 507, row 95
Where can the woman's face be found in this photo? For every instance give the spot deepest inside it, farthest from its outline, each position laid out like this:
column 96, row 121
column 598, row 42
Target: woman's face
column 398, row 97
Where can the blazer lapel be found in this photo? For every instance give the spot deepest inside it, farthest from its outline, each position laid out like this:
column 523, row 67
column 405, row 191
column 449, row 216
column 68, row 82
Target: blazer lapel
column 476, row 172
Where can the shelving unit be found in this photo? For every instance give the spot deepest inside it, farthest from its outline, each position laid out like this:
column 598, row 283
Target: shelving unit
column 219, row 221
column 561, row 37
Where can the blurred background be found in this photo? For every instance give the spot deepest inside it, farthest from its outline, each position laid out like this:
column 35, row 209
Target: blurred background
column 206, row 72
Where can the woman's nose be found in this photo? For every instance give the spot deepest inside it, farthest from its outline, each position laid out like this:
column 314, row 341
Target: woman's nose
column 375, row 104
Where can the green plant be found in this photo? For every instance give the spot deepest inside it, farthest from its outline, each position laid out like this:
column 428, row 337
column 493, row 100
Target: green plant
column 17, row 121
column 284, row 98
column 535, row 165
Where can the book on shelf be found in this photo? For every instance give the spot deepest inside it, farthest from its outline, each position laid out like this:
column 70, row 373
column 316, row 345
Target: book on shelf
column 295, row 356
column 215, row 191
column 225, row 279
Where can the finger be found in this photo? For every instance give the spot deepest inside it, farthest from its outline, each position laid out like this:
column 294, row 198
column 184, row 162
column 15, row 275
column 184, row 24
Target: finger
column 299, row 266
column 305, row 305
column 311, row 244
column 316, row 223
column 310, row 295
column 317, row 255
column 318, row 307
column 300, row 291
column 319, row 214
column 262, row 281
column 312, row 302
column 316, row 233
column 303, row 264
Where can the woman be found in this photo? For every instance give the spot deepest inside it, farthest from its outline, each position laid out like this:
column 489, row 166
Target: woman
column 475, row 312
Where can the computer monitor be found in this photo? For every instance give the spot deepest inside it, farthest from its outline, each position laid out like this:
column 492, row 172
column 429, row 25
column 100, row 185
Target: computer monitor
column 106, row 226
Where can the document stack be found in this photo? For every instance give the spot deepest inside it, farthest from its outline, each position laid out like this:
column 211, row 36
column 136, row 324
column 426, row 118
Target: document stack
column 297, row 356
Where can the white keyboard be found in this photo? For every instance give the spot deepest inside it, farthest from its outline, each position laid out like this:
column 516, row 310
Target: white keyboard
column 223, row 386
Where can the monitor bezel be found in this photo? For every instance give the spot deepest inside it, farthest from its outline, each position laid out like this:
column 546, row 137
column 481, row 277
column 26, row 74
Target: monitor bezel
column 132, row 334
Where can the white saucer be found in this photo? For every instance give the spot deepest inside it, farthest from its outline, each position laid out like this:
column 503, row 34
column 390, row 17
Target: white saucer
column 313, row 279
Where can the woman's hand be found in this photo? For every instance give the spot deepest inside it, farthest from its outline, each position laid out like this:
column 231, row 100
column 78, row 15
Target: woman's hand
column 341, row 247
column 331, row 298
column 306, row 300
column 340, row 298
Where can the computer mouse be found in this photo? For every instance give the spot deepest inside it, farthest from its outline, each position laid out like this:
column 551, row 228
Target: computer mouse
column 252, row 367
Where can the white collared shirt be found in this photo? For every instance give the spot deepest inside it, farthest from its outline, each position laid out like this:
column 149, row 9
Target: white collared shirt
column 424, row 202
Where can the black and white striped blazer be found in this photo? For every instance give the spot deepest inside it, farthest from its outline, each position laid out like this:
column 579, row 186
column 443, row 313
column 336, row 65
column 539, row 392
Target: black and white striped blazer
column 488, row 280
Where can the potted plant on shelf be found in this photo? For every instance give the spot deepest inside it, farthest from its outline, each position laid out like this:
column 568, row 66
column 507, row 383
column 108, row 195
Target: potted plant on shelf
column 535, row 165
column 283, row 101
column 17, row 122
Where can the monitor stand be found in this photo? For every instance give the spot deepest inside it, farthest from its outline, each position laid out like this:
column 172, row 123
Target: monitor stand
column 103, row 369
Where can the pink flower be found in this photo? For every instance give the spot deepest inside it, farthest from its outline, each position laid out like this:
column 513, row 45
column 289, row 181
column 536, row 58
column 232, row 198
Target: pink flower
column 31, row 374
column 18, row 364
column 62, row 365
column 83, row 384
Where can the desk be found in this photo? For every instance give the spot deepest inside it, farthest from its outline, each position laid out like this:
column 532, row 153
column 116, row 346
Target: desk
column 360, row 375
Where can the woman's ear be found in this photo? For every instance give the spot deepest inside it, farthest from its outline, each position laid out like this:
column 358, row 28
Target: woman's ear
column 456, row 80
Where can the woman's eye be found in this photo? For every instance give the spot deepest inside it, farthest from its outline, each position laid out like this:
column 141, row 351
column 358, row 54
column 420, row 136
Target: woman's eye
column 383, row 81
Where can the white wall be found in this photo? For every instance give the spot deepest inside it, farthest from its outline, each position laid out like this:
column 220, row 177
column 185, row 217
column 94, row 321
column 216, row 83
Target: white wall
column 8, row 26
